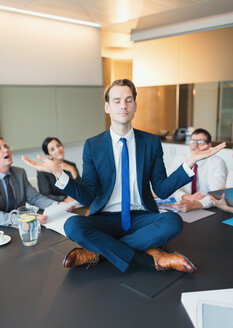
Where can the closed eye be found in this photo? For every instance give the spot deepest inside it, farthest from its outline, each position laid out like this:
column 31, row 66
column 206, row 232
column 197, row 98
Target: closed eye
column 129, row 99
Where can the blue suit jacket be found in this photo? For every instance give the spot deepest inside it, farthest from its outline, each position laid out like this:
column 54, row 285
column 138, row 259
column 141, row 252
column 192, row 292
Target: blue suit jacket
column 99, row 173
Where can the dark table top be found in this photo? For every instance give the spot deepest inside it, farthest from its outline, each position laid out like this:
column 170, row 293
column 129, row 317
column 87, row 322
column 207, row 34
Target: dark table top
column 36, row 291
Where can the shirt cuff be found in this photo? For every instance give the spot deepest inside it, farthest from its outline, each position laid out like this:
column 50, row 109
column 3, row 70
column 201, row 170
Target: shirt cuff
column 187, row 169
column 206, row 202
column 62, row 181
column 178, row 195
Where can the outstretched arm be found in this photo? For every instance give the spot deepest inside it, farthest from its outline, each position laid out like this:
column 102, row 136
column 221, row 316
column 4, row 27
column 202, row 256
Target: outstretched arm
column 47, row 165
column 84, row 192
column 202, row 153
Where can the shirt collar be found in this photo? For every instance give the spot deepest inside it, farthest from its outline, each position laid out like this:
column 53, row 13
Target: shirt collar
column 116, row 138
column 2, row 175
column 202, row 162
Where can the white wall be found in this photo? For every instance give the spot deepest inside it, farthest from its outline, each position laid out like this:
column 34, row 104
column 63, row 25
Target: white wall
column 38, row 51
column 190, row 58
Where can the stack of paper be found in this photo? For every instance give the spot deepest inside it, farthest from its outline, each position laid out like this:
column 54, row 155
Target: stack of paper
column 166, row 204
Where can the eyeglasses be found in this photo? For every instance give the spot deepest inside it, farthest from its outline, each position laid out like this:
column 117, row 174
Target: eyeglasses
column 4, row 146
column 199, row 142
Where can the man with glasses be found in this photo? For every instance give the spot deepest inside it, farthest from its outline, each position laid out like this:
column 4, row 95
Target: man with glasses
column 210, row 174
column 15, row 189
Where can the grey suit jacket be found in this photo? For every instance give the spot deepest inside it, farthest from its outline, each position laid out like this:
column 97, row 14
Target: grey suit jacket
column 24, row 192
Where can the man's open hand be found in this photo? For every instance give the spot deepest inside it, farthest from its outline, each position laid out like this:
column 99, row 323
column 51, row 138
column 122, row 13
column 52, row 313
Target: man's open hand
column 46, row 165
column 202, row 153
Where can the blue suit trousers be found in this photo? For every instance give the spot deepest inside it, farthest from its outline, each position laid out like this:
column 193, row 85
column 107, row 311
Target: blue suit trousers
column 102, row 233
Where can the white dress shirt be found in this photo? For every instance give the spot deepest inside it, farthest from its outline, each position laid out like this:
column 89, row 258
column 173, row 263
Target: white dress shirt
column 229, row 183
column 211, row 175
column 114, row 202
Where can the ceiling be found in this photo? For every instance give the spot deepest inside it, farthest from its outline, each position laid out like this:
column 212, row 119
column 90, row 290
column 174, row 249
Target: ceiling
column 126, row 15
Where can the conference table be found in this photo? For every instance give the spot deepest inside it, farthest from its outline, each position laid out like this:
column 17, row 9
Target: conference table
column 36, row 291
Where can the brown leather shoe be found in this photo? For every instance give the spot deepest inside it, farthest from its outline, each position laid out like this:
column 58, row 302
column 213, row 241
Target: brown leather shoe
column 79, row 256
column 167, row 261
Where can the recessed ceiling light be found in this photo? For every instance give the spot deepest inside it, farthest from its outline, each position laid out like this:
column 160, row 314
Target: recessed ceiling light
column 63, row 19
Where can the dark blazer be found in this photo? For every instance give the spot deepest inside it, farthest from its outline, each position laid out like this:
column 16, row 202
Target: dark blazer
column 46, row 184
column 24, row 192
column 99, row 172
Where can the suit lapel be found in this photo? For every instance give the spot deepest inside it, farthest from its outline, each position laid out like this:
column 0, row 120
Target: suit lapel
column 140, row 157
column 2, row 197
column 108, row 158
column 15, row 186
column 108, row 149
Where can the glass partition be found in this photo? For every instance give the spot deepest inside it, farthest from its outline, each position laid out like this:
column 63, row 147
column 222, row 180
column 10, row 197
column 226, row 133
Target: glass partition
column 206, row 105
column 225, row 111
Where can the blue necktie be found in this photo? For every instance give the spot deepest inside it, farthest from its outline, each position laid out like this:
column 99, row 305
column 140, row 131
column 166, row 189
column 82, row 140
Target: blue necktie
column 125, row 194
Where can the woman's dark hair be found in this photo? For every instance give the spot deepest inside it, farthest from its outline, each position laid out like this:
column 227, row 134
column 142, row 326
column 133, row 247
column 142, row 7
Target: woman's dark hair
column 46, row 142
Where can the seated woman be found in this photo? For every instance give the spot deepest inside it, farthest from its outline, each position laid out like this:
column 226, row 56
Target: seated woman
column 54, row 150
column 221, row 203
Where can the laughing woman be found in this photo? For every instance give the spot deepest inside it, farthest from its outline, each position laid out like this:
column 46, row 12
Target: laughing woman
column 54, row 150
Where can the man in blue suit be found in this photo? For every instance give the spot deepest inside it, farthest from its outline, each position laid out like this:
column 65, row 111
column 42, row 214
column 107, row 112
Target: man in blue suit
column 119, row 229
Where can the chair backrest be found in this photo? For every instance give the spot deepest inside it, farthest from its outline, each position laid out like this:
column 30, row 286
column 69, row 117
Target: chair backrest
column 33, row 182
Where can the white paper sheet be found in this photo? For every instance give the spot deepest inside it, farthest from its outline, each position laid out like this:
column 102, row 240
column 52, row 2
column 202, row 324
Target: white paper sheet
column 195, row 215
column 57, row 208
column 57, row 216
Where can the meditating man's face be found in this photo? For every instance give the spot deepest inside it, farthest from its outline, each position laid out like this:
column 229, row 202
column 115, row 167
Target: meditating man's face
column 121, row 106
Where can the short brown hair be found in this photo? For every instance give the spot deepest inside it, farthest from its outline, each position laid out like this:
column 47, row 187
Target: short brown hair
column 203, row 131
column 121, row 83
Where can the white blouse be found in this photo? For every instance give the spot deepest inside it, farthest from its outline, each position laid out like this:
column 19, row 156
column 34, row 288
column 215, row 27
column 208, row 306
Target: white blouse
column 229, row 182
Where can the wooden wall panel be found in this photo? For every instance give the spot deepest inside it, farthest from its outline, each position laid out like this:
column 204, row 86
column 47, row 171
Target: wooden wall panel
column 156, row 109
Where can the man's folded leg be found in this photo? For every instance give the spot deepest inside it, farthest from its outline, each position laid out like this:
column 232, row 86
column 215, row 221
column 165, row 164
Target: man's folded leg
column 152, row 230
column 98, row 235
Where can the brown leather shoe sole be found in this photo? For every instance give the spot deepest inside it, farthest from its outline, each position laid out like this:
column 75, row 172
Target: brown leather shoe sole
column 79, row 256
